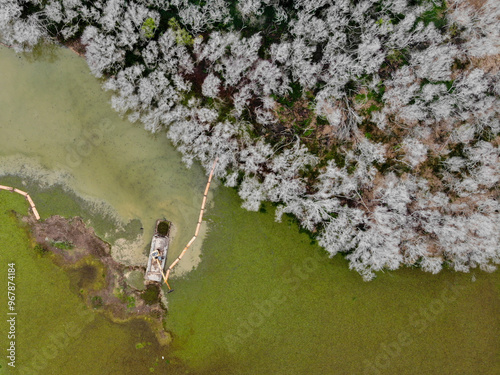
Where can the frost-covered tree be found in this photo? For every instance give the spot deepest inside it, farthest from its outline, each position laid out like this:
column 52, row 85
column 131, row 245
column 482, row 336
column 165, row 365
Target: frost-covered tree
column 102, row 51
column 211, row 86
column 22, row 33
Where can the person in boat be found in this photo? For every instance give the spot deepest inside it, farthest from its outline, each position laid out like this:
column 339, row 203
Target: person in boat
column 156, row 255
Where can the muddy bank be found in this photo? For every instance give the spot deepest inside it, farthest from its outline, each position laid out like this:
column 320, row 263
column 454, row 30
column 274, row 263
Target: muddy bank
column 75, row 45
column 102, row 283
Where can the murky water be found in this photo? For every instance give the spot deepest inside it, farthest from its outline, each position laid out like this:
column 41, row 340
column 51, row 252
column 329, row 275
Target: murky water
column 263, row 300
column 57, row 130
column 55, row 332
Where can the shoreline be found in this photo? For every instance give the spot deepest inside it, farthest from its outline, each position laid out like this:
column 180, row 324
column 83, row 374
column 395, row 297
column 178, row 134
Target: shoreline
column 99, row 280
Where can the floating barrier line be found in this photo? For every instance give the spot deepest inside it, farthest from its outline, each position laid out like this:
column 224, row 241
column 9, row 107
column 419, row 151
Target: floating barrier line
column 198, row 225
column 26, row 196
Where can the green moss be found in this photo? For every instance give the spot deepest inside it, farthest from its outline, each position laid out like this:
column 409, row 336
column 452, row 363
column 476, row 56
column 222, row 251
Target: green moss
column 437, row 15
column 130, row 302
column 308, row 132
column 435, row 163
column 142, row 345
column 457, row 150
column 225, row 112
column 334, row 154
column 448, row 84
column 397, row 57
column 120, row 294
column 292, row 97
column 351, row 168
column 321, row 121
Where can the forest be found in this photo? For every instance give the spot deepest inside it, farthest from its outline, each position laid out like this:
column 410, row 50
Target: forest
column 373, row 123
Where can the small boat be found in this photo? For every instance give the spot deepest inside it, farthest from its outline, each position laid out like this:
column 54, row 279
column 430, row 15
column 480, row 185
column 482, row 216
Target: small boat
column 158, row 252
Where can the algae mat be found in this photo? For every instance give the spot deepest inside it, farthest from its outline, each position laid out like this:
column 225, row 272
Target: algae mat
column 266, row 301
column 54, row 332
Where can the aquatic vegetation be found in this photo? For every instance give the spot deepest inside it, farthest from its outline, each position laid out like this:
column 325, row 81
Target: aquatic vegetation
column 40, row 250
column 63, row 245
column 96, row 302
column 142, row 345
column 151, row 294
column 163, row 228
column 337, row 339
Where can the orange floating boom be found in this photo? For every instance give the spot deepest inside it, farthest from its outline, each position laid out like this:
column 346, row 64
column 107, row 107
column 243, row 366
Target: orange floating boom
column 25, row 195
column 20, row 192
column 198, row 225
column 33, row 208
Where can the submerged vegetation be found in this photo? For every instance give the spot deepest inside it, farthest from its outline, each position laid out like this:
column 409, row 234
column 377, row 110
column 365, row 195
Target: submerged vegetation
column 151, row 295
column 374, row 123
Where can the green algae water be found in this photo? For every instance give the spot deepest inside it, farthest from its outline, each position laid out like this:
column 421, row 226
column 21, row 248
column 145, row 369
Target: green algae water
column 269, row 302
column 55, row 332
column 263, row 299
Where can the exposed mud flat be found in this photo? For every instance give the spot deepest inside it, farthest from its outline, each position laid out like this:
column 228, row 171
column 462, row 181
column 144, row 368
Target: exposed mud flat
column 95, row 275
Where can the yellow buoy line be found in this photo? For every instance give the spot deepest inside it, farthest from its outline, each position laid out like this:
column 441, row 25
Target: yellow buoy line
column 25, row 195
column 196, row 232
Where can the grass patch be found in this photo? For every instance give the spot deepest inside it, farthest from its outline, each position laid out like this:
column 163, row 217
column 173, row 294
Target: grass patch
column 96, row 302
column 63, row 245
